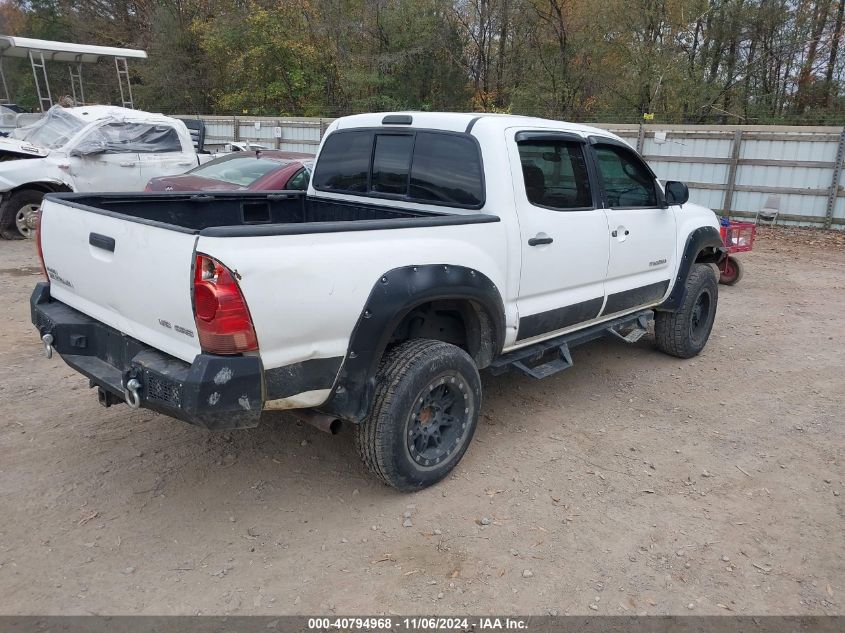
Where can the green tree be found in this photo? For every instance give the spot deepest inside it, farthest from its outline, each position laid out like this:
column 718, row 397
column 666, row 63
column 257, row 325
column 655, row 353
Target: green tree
column 267, row 58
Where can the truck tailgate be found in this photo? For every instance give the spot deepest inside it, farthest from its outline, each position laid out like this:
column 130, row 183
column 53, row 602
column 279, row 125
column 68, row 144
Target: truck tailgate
column 133, row 276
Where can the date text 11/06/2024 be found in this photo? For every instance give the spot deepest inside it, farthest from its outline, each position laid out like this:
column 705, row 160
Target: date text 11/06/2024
column 419, row 623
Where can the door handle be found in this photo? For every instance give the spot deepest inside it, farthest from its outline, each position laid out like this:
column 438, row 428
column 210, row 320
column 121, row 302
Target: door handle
column 540, row 239
column 186, row 163
column 128, row 164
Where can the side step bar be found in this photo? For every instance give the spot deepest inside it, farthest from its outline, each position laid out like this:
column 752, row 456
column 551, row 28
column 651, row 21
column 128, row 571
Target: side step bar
column 528, row 359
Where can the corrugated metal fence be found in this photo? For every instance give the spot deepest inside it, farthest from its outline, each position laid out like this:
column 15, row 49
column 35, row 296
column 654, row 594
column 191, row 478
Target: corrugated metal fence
column 733, row 169
column 738, row 169
column 297, row 134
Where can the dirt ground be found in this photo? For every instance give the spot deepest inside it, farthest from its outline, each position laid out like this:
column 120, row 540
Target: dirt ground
column 632, row 483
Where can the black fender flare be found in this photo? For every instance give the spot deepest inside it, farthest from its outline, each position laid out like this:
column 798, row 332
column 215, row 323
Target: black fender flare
column 704, row 245
column 394, row 295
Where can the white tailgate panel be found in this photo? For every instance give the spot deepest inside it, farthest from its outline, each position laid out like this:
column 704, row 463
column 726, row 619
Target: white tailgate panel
column 139, row 289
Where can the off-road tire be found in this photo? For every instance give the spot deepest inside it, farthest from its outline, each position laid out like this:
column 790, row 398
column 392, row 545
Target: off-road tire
column 409, row 375
column 8, row 227
column 684, row 333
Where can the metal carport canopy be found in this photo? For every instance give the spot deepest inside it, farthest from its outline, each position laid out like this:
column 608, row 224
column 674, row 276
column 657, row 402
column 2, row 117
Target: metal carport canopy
column 40, row 52
column 13, row 46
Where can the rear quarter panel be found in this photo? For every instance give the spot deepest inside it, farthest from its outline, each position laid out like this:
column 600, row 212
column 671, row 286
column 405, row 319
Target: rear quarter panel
column 306, row 292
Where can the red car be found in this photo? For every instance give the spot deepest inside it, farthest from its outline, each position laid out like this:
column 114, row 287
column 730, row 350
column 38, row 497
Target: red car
column 258, row 171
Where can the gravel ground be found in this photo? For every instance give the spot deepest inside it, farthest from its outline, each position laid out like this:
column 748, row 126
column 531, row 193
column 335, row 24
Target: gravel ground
column 632, row 483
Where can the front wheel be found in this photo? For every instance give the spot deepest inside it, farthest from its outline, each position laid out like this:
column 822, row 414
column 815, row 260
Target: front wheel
column 684, row 333
column 19, row 214
column 423, row 414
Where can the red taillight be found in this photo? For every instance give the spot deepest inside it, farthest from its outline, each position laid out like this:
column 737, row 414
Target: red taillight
column 38, row 244
column 220, row 312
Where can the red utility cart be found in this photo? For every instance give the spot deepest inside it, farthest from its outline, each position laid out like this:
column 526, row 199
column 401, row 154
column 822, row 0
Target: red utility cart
column 738, row 238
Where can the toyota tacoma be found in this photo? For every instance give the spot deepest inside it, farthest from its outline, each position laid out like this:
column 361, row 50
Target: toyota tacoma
column 428, row 247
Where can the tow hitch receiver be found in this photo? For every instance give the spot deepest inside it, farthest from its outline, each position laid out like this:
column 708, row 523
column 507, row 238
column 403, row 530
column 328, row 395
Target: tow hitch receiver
column 106, row 398
column 214, row 391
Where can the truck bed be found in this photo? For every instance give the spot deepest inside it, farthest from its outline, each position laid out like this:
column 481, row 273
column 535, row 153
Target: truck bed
column 240, row 213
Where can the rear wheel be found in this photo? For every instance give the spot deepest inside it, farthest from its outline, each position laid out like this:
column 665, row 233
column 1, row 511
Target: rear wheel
column 684, row 333
column 731, row 271
column 423, row 415
column 19, row 214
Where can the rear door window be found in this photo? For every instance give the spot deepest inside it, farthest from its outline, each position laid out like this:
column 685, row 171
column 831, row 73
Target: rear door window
column 555, row 174
column 425, row 166
column 446, row 169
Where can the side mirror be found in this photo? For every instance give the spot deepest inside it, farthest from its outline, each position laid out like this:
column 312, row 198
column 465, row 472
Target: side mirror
column 677, row 193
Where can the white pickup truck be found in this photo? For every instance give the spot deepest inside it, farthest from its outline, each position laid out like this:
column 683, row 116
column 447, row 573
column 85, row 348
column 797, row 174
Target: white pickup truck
column 88, row 148
column 427, row 247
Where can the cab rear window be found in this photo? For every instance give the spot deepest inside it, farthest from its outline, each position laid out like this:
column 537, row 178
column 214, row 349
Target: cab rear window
column 417, row 166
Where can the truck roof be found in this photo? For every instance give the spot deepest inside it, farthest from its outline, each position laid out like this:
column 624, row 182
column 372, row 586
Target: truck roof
column 461, row 121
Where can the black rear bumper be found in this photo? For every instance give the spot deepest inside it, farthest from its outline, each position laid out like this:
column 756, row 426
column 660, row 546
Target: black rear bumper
column 215, row 392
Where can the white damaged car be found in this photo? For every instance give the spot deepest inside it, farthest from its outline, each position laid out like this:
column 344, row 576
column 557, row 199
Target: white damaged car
column 88, row 148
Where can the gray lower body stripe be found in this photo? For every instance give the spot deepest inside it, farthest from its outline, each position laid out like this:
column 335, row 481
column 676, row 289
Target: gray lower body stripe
column 627, row 299
column 309, row 375
column 559, row 318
